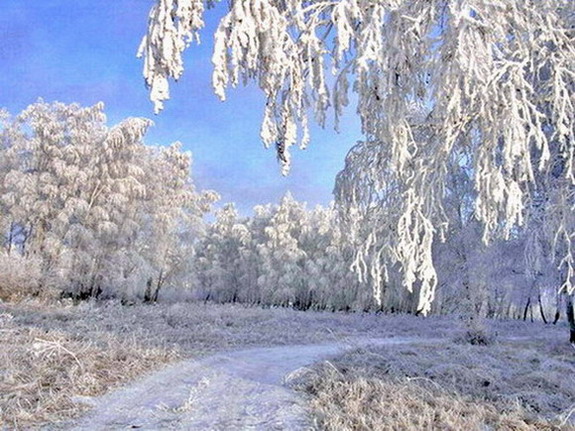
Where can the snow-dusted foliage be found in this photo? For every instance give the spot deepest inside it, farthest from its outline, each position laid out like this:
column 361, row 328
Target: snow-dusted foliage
column 492, row 80
column 99, row 210
column 283, row 255
column 288, row 255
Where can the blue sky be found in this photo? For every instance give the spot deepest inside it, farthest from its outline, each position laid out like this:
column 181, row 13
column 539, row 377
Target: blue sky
column 84, row 51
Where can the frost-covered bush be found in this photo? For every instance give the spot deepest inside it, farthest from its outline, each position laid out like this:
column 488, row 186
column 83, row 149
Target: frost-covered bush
column 475, row 332
column 21, row 276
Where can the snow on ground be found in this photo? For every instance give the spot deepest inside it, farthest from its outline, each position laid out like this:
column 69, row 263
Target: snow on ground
column 89, row 349
column 230, row 391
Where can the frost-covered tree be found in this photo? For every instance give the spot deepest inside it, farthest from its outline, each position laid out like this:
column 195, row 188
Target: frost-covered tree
column 221, row 258
column 287, row 255
column 282, row 255
column 174, row 212
column 489, row 78
column 331, row 283
column 101, row 211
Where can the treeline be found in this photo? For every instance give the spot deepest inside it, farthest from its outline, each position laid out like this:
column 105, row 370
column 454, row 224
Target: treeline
column 283, row 255
column 287, row 255
column 90, row 211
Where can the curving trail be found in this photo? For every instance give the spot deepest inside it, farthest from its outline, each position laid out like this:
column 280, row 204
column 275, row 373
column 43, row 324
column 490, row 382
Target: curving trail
column 241, row 390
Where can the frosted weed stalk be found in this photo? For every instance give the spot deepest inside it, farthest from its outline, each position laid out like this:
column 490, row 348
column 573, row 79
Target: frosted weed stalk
column 188, row 405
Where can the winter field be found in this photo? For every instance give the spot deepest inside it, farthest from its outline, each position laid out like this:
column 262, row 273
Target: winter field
column 58, row 357
column 413, row 271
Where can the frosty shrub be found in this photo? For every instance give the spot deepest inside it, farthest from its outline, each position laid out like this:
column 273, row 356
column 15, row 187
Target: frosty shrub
column 20, row 277
column 475, row 332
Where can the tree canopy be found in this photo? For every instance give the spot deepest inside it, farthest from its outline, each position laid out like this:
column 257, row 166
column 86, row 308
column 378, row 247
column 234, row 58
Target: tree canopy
column 485, row 86
column 88, row 209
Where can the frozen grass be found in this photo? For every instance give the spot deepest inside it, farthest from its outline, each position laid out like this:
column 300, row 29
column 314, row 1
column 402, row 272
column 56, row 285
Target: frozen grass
column 56, row 356
column 197, row 328
column 45, row 372
column 513, row 385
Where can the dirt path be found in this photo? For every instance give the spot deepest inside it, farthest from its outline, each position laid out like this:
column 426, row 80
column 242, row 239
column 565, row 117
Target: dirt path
column 241, row 390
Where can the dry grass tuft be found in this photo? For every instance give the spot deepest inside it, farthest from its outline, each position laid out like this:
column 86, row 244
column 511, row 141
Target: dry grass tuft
column 45, row 374
column 512, row 386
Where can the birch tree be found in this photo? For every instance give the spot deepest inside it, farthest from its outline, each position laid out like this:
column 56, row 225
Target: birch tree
column 493, row 79
column 282, row 255
column 220, row 258
column 99, row 210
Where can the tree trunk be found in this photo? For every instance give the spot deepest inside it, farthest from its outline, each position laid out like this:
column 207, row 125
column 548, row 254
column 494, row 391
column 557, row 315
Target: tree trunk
column 557, row 309
column 557, row 317
column 148, row 291
column 541, row 311
column 571, row 318
column 159, row 285
column 526, row 310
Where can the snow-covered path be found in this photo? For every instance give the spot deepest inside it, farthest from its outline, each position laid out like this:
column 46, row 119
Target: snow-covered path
column 241, row 390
